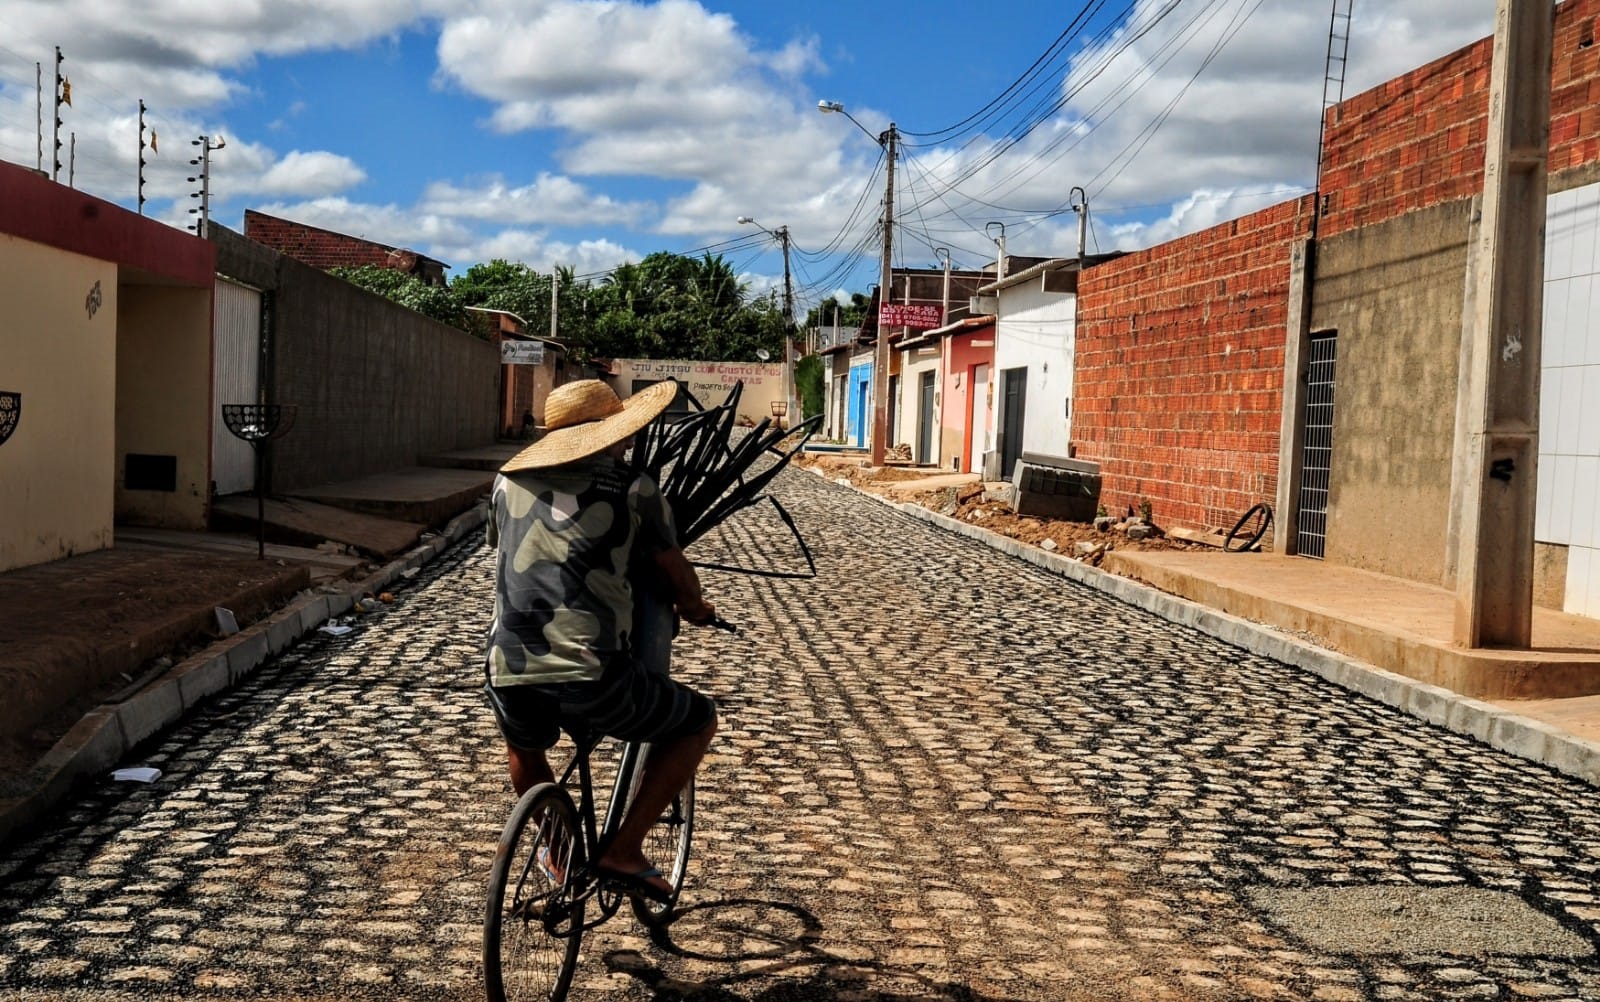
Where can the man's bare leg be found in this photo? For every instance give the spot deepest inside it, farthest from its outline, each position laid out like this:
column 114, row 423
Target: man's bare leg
column 667, row 769
column 528, row 769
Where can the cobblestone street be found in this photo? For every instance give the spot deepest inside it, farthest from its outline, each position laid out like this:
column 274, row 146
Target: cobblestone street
column 942, row 774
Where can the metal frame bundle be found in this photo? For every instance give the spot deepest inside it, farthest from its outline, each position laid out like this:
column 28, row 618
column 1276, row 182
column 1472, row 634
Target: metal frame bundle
column 706, row 475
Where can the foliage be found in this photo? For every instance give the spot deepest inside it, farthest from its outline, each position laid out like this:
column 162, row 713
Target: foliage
column 809, row 379
column 850, row 314
column 434, row 301
column 664, row 306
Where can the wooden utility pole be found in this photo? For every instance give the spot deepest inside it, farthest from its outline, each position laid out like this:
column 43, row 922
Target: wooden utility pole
column 1498, row 451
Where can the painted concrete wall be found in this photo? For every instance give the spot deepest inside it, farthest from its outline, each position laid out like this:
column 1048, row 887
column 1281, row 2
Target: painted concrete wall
column 929, row 359
column 164, row 401
column 1568, row 509
column 1393, row 292
column 56, row 469
column 1034, row 330
column 710, row 382
column 964, row 353
column 377, row 386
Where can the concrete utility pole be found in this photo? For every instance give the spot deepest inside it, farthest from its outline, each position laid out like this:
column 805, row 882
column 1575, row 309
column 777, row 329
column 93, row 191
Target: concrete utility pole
column 880, row 355
column 1497, row 448
column 555, row 286
column 791, row 412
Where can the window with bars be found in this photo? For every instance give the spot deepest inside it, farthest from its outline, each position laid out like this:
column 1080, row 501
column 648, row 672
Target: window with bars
column 1317, row 452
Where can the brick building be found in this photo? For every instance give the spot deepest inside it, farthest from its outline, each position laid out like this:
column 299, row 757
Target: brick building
column 326, row 249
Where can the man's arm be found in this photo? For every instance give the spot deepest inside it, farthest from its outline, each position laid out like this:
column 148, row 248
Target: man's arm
column 684, row 584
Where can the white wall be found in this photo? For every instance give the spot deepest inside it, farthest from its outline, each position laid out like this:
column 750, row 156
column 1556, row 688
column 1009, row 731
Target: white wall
column 1569, row 398
column 1036, row 329
column 914, row 363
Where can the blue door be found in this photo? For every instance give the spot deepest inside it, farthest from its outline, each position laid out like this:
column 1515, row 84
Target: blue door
column 858, row 422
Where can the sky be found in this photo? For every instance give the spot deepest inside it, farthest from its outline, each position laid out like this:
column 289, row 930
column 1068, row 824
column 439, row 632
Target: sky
column 586, row 133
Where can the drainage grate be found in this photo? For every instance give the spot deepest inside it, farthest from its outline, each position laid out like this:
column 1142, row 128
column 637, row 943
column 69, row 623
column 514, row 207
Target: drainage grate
column 1316, row 464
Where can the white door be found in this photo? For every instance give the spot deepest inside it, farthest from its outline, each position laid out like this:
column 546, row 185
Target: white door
column 978, row 420
column 236, row 327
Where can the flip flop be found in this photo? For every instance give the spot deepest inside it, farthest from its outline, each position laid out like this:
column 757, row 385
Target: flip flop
column 636, row 885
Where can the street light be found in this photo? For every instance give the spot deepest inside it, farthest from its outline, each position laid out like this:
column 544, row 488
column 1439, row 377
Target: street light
column 880, row 365
column 781, row 234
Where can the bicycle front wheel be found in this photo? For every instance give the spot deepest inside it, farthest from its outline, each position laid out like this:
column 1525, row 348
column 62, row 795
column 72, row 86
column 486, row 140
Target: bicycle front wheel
column 533, row 923
column 667, row 845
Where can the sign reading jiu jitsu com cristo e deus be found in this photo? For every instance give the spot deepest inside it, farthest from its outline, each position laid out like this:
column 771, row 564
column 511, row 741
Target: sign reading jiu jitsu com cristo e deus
column 708, row 381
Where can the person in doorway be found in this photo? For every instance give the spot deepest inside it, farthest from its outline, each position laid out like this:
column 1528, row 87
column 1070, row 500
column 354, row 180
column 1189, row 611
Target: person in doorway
column 572, row 525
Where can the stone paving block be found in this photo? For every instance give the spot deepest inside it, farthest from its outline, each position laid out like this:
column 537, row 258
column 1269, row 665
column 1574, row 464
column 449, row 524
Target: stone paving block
column 941, row 774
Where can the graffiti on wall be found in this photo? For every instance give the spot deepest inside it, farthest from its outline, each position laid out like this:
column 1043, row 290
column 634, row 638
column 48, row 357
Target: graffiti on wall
column 710, row 382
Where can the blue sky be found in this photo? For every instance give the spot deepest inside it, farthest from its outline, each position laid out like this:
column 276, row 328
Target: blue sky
column 583, row 134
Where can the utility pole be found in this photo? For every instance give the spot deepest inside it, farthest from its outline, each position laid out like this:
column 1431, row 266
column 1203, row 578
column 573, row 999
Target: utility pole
column 202, row 226
column 1079, row 200
column 789, row 394
column 1497, row 444
column 555, row 301
column 880, row 364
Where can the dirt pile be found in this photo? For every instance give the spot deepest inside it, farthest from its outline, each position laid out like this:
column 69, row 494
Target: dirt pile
column 982, row 504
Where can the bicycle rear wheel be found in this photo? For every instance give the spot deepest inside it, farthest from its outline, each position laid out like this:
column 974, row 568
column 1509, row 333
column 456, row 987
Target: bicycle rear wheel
column 667, row 845
column 534, row 919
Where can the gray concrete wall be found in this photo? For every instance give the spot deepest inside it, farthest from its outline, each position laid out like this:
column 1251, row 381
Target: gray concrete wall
column 377, row 386
column 1393, row 292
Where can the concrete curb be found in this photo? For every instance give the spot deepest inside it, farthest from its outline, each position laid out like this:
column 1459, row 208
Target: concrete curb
column 108, row 732
column 1489, row 724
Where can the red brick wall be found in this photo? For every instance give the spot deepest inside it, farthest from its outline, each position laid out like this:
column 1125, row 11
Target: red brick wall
column 322, row 248
column 1179, row 380
column 1419, row 139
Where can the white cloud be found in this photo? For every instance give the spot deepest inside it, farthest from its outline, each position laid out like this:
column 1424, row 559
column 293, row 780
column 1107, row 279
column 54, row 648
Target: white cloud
column 316, row 173
column 550, row 200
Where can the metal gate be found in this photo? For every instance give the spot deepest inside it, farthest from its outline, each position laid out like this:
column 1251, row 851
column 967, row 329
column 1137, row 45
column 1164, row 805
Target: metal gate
column 1013, row 405
column 236, row 379
column 925, row 420
column 1317, row 454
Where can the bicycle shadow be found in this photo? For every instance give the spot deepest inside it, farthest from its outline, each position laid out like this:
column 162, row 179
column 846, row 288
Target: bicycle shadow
column 772, row 939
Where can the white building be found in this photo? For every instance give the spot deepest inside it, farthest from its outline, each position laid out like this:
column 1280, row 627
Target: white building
column 1035, row 328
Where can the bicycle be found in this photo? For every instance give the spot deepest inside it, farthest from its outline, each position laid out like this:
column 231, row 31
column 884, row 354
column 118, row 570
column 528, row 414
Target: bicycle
column 543, row 880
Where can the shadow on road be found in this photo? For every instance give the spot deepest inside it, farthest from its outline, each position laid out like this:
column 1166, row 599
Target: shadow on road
column 759, row 940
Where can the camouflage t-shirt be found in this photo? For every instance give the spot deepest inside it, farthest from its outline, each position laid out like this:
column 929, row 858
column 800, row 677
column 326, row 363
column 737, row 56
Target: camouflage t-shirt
column 563, row 606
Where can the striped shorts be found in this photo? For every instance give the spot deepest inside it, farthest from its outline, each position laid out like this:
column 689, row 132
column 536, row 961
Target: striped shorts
column 627, row 702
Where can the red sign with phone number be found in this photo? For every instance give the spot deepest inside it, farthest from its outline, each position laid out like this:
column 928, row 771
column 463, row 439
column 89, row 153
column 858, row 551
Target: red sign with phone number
column 921, row 317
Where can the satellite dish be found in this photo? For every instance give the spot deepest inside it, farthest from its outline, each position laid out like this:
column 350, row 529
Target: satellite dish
column 763, row 354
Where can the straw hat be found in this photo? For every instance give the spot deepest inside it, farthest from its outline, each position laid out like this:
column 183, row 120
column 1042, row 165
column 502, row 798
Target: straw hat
column 586, row 417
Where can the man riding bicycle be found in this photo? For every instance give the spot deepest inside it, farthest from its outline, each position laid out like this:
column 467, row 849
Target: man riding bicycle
column 573, row 525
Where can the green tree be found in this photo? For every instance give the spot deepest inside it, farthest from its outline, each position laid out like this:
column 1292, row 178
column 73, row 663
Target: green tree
column 438, row 302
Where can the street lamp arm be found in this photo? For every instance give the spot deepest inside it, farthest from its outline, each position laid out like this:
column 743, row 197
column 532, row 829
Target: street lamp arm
column 832, row 107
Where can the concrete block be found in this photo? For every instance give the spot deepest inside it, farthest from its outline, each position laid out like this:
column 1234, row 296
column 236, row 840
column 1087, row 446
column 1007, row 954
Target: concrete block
column 283, row 630
column 149, row 711
column 1521, row 737
column 337, row 605
column 314, row 613
column 1472, row 718
column 201, row 677
column 246, row 654
column 1430, row 703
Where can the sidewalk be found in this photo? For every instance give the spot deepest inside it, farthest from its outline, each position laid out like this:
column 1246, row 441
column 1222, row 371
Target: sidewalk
column 94, row 627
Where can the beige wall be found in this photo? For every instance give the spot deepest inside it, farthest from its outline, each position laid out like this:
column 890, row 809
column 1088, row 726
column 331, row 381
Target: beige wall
column 709, row 381
column 55, row 471
column 163, row 399
column 1393, row 292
